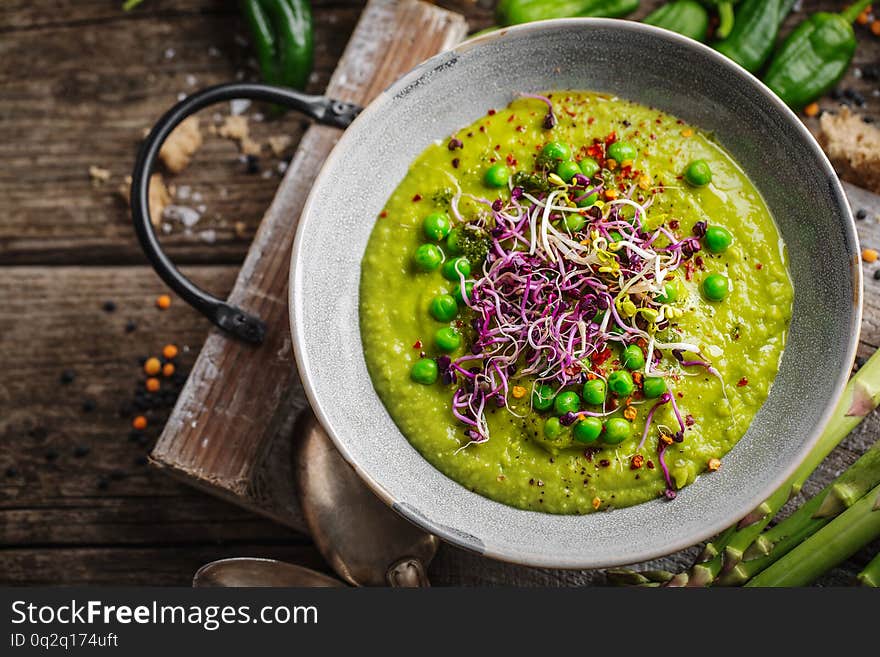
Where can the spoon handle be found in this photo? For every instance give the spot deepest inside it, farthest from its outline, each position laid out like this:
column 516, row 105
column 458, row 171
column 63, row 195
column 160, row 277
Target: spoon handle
column 407, row 573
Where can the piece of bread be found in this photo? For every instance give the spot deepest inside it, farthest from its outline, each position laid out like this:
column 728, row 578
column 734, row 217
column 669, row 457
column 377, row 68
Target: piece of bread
column 853, row 147
column 181, row 144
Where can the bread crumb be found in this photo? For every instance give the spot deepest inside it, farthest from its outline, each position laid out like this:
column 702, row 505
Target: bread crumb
column 853, row 147
column 159, row 196
column 241, row 231
column 279, row 143
column 237, row 129
column 182, row 143
column 99, row 174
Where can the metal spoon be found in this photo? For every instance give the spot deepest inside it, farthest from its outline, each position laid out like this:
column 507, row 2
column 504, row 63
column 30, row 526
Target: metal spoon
column 246, row 571
column 365, row 541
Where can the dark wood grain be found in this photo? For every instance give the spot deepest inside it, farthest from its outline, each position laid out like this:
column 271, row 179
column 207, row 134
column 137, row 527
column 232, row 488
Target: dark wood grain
column 79, row 81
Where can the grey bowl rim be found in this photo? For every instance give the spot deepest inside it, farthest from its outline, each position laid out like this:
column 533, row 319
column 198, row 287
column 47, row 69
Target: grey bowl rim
column 538, row 558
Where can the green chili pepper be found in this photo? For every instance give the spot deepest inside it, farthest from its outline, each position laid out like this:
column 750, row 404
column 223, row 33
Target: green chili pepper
column 726, row 18
column 814, row 57
column 282, row 34
column 512, row 12
column 754, row 33
column 687, row 17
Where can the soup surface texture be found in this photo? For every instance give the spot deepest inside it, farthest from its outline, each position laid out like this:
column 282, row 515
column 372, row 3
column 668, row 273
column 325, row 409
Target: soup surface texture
column 574, row 304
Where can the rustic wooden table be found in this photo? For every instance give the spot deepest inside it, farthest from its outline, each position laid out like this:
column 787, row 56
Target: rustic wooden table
column 79, row 82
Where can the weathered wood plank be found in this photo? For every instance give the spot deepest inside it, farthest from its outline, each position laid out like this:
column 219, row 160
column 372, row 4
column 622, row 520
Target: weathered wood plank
column 53, row 321
column 217, row 437
column 135, row 566
column 83, row 81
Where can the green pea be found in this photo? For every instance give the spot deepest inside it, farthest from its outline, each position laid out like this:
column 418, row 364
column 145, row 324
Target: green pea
column 587, row 430
column 617, row 430
column 552, row 427
column 497, row 175
column 589, row 167
column 424, row 371
column 452, row 267
column 453, row 241
column 542, row 397
column 633, row 357
column 567, row 170
column 622, row 151
column 428, row 257
column 669, row 294
column 567, row 402
column 620, row 382
column 717, row 239
column 468, row 289
column 653, row 386
column 614, row 236
column 589, row 201
column 574, row 222
column 436, row 226
column 443, row 308
column 594, row 392
column 447, row 339
column 716, row 287
column 555, row 151
column 698, row 173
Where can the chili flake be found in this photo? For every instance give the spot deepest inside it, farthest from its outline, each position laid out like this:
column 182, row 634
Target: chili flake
column 742, row 382
column 597, row 502
column 714, row 464
column 630, row 413
column 637, row 461
column 519, row 392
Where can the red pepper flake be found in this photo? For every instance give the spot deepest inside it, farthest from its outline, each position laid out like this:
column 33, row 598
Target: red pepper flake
column 497, row 147
column 759, row 266
column 698, row 261
column 680, row 395
column 604, row 463
column 454, row 143
column 383, row 214
column 637, row 461
column 511, row 118
column 611, row 138
column 650, row 465
column 491, row 112
column 589, row 453
column 601, row 356
column 688, row 270
column 573, row 370
column 417, row 344
column 674, row 224
column 520, row 128
column 455, row 163
column 689, row 420
column 511, row 160
column 482, row 128
column 742, row 382
column 417, row 198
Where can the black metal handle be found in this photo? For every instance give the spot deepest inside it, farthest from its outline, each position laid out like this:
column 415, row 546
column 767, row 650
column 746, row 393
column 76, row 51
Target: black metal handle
column 233, row 320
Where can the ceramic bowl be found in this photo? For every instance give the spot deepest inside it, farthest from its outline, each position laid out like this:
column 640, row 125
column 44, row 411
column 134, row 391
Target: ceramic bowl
column 653, row 67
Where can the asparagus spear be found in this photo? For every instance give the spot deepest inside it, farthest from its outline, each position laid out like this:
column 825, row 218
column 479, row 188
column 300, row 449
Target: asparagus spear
column 870, row 576
column 815, row 513
column 860, row 397
column 627, row 577
column 837, row 541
